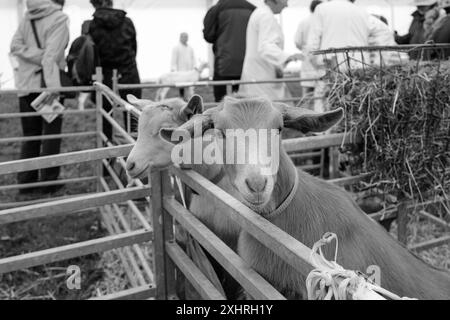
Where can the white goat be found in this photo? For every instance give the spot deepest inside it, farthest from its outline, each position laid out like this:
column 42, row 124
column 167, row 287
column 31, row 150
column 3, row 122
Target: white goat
column 179, row 77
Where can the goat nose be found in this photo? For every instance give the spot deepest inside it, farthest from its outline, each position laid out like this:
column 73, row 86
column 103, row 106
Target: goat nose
column 256, row 184
column 130, row 165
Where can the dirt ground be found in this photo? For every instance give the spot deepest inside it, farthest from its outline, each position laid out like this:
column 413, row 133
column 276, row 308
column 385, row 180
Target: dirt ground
column 48, row 282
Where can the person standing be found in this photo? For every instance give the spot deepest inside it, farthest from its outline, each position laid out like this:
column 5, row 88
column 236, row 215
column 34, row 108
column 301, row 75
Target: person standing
column 301, row 36
column 416, row 33
column 183, row 57
column 337, row 24
column 39, row 65
column 114, row 36
column 264, row 57
column 441, row 32
column 224, row 27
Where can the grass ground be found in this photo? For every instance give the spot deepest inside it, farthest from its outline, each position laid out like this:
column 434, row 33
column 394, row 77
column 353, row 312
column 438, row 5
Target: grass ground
column 104, row 272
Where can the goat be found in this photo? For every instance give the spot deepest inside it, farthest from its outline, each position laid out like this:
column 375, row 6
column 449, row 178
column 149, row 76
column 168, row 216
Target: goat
column 175, row 77
column 317, row 206
column 150, row 151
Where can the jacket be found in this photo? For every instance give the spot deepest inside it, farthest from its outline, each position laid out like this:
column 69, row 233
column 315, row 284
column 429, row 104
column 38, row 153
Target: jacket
column 264, row 56
column 53, row 32
column 415, row 35
column 114, row 36
column 307, row 70
column 337, row 24
column 225, row 27
column 442, row 35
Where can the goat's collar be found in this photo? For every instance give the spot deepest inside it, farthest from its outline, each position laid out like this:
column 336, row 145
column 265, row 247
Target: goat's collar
column 287, row 201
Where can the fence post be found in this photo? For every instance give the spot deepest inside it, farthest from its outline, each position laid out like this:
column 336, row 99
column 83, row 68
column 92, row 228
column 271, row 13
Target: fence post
column 99, row 121
column 115, row 81
column 169, row 237
column 402, row 222
column 115, row 89
column 162, row 233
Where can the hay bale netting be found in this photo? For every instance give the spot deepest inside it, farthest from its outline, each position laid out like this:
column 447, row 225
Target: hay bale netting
column 403, row 115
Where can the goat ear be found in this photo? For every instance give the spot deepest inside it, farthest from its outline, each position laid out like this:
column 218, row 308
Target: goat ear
column 314, row 122
column 193, row 107
column 139, row 103
column 193, row 128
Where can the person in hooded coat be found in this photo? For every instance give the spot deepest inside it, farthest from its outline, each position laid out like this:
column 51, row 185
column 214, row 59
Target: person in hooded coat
column 39, row 64
column 114, row 36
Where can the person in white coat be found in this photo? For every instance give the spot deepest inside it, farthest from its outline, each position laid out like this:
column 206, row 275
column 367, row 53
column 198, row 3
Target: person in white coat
column 264, row 57
column 337, row 24
column 308, row 71
column 183, row 57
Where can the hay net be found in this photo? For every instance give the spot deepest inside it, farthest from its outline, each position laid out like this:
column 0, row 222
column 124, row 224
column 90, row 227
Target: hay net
column 331, row 281
column 400, row 107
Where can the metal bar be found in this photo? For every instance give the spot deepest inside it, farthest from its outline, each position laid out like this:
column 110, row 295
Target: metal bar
column 392, row 213
column 79, row 249
column 64, row 159
column 282, row 244
column 251, row 281
column 116, row 126
column 319, row 142
column 47, row 183
column 167, row 225
column 9, row 205
column 69, row 205
column 115, row 229
column 125, row 263
column 98, row 78
column 130, row 203
column 434, row 219
column 115, row 99
column 430, row 244
column 158, row 229
column 127, row 228
column 35, row 114
column 200, row 282
column 308, row 167
column 139, row 293
column 48, row 137
column 52, row 89
column 383, row 48
column 350, row 180
column 122, row 161
column 210, row 83
column 305, row 154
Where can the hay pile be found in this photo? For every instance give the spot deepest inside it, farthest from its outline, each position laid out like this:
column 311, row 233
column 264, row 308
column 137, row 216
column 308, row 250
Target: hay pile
column 403, row 116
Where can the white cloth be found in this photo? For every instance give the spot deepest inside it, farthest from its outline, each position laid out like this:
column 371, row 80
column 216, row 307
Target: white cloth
column 307, row 70
column 183, row 58
column 337, row 24
column 264, row 54
column 382, row 35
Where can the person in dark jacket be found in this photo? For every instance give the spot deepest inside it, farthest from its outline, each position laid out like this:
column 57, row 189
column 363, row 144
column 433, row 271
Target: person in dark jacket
column 114, row 36
column 416, row 33
column 225, row 26
column 441, row 33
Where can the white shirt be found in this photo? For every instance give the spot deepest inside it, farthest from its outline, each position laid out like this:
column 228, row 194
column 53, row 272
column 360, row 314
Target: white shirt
column 264, row 54
column 382, row 35
column 301, row 36
column 183, row 58
column 337, row 24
